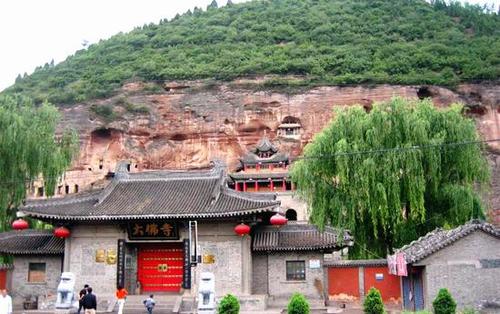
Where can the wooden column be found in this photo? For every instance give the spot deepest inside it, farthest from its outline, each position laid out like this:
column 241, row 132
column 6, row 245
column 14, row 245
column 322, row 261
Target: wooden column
column 236, row 185
column 256, row 186
column 293, row 186
column 271, row 166
column 284, row 185
column 244, row 186
column 271, row 185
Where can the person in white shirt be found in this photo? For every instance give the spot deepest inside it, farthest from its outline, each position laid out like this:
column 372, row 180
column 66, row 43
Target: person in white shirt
column 5, row 303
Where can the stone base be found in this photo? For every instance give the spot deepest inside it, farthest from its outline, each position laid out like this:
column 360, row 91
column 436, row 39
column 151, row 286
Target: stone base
column 254, row 302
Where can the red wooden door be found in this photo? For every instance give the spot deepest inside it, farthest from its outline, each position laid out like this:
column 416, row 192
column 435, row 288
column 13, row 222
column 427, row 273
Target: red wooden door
column 3, row 278
column 160, row 268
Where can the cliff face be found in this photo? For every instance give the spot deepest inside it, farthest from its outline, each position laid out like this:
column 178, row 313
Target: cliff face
column 189, row 123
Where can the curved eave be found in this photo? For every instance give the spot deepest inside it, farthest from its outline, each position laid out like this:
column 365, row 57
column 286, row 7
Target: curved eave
column 31, row 252
column 156, row 216
column 306, row 248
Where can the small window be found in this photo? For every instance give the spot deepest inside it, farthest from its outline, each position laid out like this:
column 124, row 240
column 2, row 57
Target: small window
column 291, row 214
column 36, row 272
column 295, row 270
column 40, row 191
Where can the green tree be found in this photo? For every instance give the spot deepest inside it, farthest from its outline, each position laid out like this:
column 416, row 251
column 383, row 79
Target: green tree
column 298, row 304
column 363, row 173
column 29, row 150
column 229, row 305
column 444, row 303
column 373, row 302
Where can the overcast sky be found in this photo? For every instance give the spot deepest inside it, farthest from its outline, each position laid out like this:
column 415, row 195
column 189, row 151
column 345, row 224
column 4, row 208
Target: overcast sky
column 33, row 32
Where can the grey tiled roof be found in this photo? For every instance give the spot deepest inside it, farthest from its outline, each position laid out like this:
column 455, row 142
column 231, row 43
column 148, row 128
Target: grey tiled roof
column 159, row 194
column 265, row 145
column 259, row 175
column 31, row 241
column 251, row 158
column 440, row 238
column 6, row 266
column 298, row 237
column 355, row 263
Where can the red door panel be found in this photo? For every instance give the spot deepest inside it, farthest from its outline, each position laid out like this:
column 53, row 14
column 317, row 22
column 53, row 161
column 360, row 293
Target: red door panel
column 160, row 268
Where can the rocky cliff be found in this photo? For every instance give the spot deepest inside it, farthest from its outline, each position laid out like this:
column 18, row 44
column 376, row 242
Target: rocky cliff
column 186, row 124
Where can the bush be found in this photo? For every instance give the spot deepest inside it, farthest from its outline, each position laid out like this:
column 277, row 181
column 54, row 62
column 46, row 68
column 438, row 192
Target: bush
column 298, row 304
column 373, row 302
column 444, row 303
column 229, row 305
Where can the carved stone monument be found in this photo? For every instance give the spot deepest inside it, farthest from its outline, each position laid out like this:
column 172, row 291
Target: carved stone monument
column 206, row 294
column 65, row 291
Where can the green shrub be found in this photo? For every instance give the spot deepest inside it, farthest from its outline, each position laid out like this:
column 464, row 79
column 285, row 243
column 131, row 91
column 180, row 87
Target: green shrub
column 373, row 302
column 298, row 304
column 229, row 305
column 444, row 303
column 104, row 111
column 468, row 310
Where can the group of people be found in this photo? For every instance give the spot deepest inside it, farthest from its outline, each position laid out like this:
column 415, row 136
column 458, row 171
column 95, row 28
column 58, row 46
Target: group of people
column 121, row 295
column 5, row 303
column 87, row 301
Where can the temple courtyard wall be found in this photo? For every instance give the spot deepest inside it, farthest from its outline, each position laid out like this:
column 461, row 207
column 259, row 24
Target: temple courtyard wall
column 469, row 268
column 23, row 288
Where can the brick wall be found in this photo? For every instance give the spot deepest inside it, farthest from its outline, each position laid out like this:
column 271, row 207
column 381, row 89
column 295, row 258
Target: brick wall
column 279, row 287
column 259, row 274
column 21, row 288
column 469, row 268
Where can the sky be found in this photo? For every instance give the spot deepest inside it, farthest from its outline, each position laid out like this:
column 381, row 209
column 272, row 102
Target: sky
column 33, row 32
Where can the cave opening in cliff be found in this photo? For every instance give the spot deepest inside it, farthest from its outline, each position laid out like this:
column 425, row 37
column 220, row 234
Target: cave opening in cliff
column 102, row 133
column 290, row 120
column 179, row 137
column 424, row 92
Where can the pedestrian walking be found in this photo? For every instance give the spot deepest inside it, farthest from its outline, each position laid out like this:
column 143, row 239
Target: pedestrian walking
column 82, row 293
column 5, row 303
column 89, row 302
column 121, row 295
column 150, row 303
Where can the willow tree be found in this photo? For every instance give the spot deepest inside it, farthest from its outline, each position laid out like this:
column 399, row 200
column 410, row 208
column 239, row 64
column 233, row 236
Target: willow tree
column 29, row 150
column 393, row 174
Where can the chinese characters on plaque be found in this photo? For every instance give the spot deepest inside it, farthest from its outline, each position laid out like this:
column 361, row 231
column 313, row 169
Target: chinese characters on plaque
column 153, row 230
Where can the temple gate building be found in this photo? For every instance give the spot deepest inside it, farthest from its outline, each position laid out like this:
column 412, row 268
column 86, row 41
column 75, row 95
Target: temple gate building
column 156, row 231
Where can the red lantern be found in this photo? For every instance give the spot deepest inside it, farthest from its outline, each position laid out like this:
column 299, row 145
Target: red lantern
column 278, row 220
column 242, row 229
column 20, row 224
column 62, row 232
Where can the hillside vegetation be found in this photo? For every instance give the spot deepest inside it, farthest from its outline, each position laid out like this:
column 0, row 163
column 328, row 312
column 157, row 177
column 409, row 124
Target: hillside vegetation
column 325, row 41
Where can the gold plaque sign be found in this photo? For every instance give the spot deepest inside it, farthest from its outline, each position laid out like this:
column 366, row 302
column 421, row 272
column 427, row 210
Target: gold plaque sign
column 208, row 259
column 111, row 258
column 100, row 256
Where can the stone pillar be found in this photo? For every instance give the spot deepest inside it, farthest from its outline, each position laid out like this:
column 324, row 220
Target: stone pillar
column 256, row 186
column 67, row 254
column 246, row 265
column 361, row 282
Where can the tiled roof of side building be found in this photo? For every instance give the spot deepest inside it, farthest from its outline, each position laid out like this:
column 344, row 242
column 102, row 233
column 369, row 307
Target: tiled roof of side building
column 259, row 175
column 299, row 237
column 441, row 238
column 159, row 194
column 355, row 263
column 265, row 145
column 31, row 241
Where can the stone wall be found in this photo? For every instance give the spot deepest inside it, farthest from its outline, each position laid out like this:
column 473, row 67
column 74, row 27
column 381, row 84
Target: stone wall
column 280, row 288
column 233, row 260
column 469, row 268
column 290, row 200
column 82, row 247
column 21, row 288
column 259, row 274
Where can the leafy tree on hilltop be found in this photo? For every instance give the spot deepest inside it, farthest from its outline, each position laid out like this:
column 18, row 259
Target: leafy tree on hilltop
column 363, row 173
column 325, row 41
column 29, row 150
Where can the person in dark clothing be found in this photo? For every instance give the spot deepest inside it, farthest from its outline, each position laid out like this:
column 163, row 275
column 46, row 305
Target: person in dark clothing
column 82, row 293
column 89, row 302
